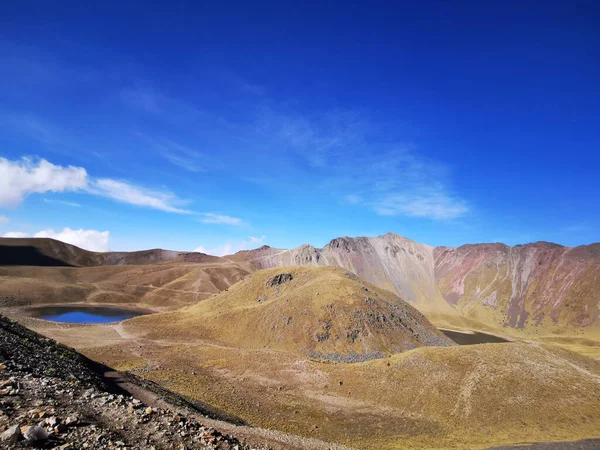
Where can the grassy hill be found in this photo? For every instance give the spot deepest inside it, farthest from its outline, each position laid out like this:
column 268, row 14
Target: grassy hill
column 323, row 312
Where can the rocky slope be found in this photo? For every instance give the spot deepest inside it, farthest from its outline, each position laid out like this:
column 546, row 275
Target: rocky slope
column 527, row 286
column 53, row 397
column 391, row 262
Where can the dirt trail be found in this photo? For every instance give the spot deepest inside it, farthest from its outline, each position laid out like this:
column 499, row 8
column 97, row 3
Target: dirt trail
column 276, row 439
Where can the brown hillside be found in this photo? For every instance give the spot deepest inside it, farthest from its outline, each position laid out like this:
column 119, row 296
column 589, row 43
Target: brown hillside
column 50, row 252
column 165, row 286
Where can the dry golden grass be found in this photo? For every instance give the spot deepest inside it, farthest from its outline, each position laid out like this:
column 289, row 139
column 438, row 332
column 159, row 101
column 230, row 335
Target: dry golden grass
column 323, row 310
column 162, row 286
column 234, row 353
column 431, row 397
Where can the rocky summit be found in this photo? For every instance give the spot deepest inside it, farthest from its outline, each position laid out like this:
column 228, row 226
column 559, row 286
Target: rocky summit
column 539, row 285
column 322, row 312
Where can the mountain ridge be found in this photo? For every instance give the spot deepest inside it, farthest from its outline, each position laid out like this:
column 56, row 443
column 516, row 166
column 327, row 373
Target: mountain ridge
column 540, row 286
column 488, row 282
column 51, row 252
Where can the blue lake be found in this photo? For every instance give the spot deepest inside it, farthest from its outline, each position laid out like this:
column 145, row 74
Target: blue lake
column 84, row 314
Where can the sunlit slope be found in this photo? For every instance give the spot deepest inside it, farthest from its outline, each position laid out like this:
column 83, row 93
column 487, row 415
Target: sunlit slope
column 317, row 311
column 535, row 288
column 430, row 397
column 167, row 285
column 390, row 262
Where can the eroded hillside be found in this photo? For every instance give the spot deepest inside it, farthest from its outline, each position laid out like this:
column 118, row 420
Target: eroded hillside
column 536, row 286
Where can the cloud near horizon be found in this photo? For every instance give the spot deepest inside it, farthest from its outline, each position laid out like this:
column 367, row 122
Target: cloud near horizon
column 220, row 219
column 229, row 248
column 93, row 240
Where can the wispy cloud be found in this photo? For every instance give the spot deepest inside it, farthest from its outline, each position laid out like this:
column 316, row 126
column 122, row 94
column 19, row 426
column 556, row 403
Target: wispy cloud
column 27, row 176
column 4, row 220
column 92, row 240
column 183, row 156
column 231, row 247
column 367, row 165
column 242, row 84
column 15, row 234
column 156, row 103
column 31, row 127
column 431, row 205
column 124, row 192
column 62, row 202
column 220, row 219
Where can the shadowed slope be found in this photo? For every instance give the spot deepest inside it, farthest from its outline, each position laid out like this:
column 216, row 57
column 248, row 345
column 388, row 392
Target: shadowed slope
column 50, row 252
column 317, row 311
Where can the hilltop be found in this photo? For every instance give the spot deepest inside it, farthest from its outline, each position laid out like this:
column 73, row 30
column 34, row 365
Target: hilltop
column 317, row 311
column 45, row 271
column 50, row 252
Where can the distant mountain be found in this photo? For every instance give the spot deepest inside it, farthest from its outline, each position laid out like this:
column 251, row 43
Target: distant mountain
column 50, row 252
column 539, row 285
column 536, row 287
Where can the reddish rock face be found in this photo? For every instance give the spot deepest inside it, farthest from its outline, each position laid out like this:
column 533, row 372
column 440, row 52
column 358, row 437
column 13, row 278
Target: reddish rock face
column 520, row 286
column 531, row 283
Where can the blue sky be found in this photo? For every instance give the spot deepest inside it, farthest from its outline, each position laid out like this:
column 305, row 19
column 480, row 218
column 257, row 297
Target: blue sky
column 229, row 126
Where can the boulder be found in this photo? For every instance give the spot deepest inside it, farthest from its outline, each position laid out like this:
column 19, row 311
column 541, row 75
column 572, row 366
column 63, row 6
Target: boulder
column 36, row 434
column 12, row 435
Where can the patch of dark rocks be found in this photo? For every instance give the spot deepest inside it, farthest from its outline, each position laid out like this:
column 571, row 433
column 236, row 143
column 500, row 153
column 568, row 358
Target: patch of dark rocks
column 279, row 279
column 350, row 357
column 52, row 397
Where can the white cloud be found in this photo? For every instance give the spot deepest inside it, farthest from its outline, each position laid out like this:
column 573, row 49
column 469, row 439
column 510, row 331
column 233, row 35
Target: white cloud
column 365, row 164
column 220, row 219
column 62, row 202
column 20, row 178
column 434, row 206
column 15, row 234
column 352, row 199
column 4, row 219
column 26, row 176
column 151, row 101
column 92, row 240
column 228, row 248
column 183, row 156
column 134, row 195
